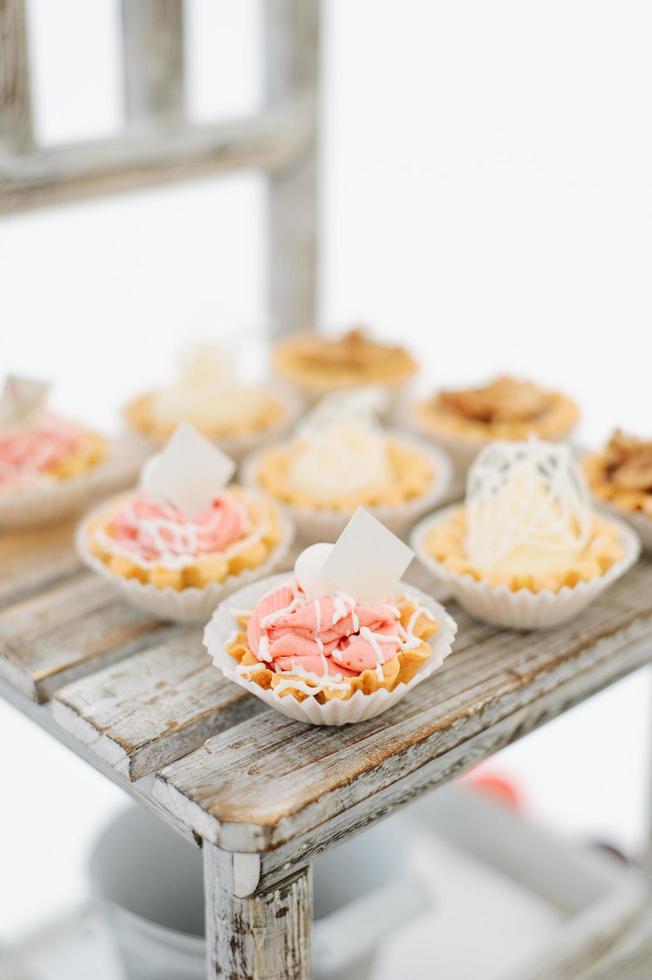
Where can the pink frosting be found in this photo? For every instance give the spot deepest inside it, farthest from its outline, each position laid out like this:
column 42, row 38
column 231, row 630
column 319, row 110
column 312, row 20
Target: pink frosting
column 152, row 529
column 326, row 636
column 28, row 453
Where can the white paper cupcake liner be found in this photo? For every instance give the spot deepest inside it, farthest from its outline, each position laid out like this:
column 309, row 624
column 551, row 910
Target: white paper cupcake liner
column 191, row 605
column 640, row 522
column 360, row 706
column 237, row 447
column 52, row 500
column 327, row 523
column 520, row 610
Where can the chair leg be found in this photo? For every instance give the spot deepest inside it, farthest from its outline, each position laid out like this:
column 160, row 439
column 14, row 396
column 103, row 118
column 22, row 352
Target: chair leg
column 262, row 936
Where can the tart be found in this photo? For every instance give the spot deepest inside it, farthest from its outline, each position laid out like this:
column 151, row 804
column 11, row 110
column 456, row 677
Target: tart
column 52, row 467
column 209, row 395
column 317, row 363
column 621, row 477
column 341, row 458
column 321, row 654
column 176, row 566
column 464, row 420
column 51, row 450
column 526, row 549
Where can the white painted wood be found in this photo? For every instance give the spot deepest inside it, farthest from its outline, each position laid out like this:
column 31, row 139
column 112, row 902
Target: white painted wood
column 265, row 937
column 142, row 159
column 153, row 43
column 15, row 100
column 320, row 785
column 292, row 71
column 70, row 629
column 154, row 707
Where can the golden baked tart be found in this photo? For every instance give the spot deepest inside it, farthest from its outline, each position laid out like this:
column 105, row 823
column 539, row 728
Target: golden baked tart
column 621, row 477
column 464, row 420
column 209, row 395
column 338, row 639
column 341, row 458
column 153, row 551
column 318, row 363
column 526, row 549
column 52, row 449
column 50, row 466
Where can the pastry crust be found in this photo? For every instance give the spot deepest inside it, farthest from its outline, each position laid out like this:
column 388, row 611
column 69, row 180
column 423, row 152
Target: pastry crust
column 622, row 473
column 91, row 453
column 399, row 670
column 445, row 543
column 505, row 409
column 411, row 476
column 140, row 414
column 315, row 360
column 253, row 550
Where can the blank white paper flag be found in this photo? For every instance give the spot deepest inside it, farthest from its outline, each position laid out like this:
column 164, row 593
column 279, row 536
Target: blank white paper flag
column 189, row 472
column 22, row 401
column 367, row 560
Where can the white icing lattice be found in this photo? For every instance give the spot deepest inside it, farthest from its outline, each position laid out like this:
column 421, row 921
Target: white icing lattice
column 525, row 493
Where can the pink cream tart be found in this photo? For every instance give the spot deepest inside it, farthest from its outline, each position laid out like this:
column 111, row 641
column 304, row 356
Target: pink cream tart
column 31, row 453
column 153, row 530
column 327, row 636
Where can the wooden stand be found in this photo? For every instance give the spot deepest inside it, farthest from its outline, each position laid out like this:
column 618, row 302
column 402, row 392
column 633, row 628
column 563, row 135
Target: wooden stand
column 263, row 795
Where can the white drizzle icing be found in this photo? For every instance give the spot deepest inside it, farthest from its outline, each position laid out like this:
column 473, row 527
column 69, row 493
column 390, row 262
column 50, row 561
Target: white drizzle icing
column 111, row 546
column 525, row 493
column 406, row 640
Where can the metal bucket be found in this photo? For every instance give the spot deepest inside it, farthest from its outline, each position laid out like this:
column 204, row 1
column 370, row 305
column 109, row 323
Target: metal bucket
column 149, row 883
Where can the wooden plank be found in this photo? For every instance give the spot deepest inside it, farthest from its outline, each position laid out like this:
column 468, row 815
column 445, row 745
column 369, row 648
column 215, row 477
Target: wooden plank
column 145, row 712
column 143, row 159
column 153, row 47
column 487, row 694
column 15, row 101
column 266, row 937
column 141, row 791
column 291, row 71
column 32, row 559
column 70, row 629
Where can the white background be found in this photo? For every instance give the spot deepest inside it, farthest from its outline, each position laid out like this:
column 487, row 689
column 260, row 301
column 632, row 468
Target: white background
column 487, row 196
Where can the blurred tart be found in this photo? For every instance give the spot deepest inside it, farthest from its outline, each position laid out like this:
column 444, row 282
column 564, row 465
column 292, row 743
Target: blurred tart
column 209, row 395
column 318, row 363
column 464, row 420
column 47, row 451
column 622, row 473
column 341, row 458
column 330, row 646
column 148, row 539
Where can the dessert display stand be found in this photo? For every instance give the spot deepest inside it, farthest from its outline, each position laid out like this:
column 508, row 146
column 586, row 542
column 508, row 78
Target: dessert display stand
column 263, row 795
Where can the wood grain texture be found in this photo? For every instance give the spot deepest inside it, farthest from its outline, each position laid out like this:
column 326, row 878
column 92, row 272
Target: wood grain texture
column 140, row 791
column 138, row 159
column 291, row 71
column 32, row 559
column 156, row 706
column 153, row 45
column 497, row 685
column 70, row 629
column 266, row 937
column 15, row 100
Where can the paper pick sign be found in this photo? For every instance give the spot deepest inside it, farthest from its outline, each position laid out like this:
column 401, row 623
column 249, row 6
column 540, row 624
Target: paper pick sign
column 367, row 560
column 22, row 401
column 189, row 472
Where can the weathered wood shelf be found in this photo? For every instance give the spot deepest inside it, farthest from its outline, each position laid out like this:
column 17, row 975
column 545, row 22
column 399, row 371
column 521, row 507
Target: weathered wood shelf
column 141, row 700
